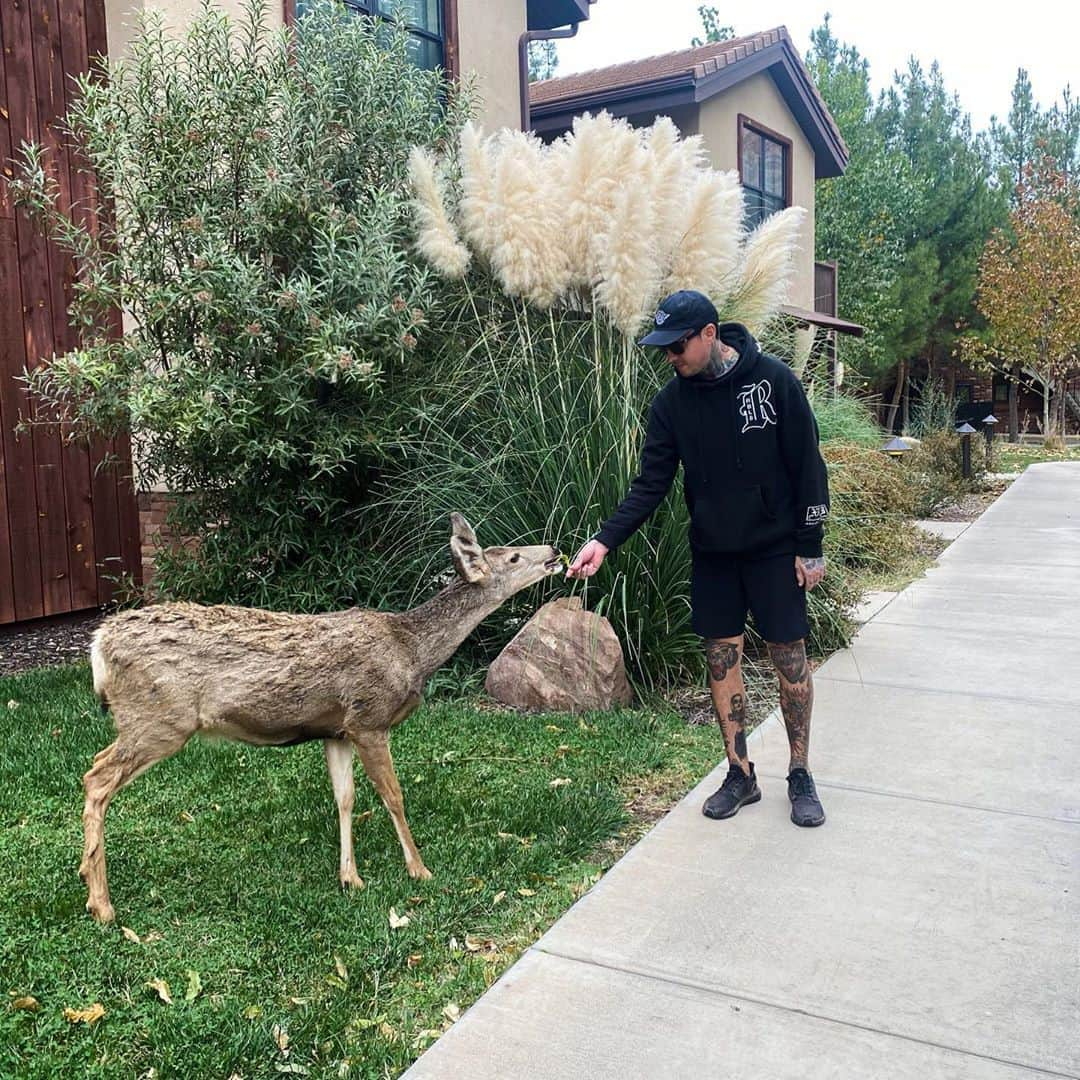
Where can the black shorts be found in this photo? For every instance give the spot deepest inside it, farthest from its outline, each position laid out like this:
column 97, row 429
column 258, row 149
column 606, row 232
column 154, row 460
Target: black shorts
column 724, row 587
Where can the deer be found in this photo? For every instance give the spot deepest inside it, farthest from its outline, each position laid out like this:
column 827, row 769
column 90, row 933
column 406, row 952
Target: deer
column 169, row 671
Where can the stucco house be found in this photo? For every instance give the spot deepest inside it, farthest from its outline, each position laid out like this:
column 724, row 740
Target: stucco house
column 69, row 530
column 754, row 104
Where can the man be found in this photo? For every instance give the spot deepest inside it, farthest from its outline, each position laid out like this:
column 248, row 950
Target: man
column 756, row 487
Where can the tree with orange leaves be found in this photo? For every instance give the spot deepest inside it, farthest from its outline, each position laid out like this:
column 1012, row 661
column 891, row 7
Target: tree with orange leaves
column 1029, row 286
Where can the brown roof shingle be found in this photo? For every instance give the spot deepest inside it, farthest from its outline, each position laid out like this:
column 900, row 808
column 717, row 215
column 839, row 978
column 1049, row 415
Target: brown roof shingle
column 699, row 62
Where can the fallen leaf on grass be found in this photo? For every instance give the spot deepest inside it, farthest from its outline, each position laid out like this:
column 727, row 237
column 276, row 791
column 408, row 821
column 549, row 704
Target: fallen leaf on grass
column 387, row 1032
column 342, row 970
column 414, row 959
column 252, row 1012
column 293, row 1068
column 479, row 944
column 562, row 751
column 131, row 935
column 149, row 939
column 281, row 1038
column 185, row 815
column 562, row 781
column 526, row 892
column 85, row 1016
column 194, row 986
column 13, row 704
column 26, row 1004
column 499, row 897
column 452, row 1012
column 552, row 727
column 398, row 921
column 161, row 988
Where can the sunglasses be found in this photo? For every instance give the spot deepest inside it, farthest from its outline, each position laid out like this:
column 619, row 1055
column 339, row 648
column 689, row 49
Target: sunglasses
column 677, row 348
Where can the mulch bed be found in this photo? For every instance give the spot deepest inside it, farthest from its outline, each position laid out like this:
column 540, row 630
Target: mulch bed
column 61, row 639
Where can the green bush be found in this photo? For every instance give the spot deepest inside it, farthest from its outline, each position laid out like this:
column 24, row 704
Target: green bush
column 934, row 469
column 259, row 249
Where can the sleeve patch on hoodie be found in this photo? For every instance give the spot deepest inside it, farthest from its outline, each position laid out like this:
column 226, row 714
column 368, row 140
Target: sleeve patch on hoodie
column 815, row 515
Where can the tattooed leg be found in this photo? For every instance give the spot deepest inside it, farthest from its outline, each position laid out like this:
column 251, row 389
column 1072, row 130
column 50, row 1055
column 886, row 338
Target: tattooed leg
column 796, row 697
column 729, row 696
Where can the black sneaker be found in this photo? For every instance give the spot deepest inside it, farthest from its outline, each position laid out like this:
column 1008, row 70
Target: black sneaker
column 805, row 805
column 737, row 790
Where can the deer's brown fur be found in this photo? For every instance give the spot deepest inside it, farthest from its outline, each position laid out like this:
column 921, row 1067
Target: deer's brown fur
column 268, row 678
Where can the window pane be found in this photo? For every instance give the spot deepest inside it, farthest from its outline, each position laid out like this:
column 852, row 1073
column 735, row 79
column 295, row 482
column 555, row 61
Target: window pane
column 774, row 168
column 423, row 14
column 751, row 158
column 425, row 53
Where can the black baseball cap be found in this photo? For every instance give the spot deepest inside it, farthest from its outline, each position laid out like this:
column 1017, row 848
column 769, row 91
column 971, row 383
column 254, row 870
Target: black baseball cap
column 680, row 314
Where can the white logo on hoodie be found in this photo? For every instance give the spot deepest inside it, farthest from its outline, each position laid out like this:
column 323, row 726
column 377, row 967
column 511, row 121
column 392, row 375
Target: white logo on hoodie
column 755, row 405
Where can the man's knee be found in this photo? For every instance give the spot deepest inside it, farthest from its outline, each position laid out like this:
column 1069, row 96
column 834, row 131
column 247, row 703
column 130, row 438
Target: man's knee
column 723, row 656
column 789, row 659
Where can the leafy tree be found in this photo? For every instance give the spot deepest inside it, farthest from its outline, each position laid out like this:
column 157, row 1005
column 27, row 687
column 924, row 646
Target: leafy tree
column 1029, row 286
column 710, row 24
column 258, row 251
column 863, row 218
column 543, row 60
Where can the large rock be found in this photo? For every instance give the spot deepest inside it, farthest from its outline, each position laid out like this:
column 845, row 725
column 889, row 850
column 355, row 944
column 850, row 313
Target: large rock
column 563, row 659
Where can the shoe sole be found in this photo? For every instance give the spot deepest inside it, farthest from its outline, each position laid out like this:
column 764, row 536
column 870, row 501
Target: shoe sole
column 756, row 797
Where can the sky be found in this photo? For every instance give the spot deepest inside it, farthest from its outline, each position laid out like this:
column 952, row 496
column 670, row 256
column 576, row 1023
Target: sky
column 979, row 46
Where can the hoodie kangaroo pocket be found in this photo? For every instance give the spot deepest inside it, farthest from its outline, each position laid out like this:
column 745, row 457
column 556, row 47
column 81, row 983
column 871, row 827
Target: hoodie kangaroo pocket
column 728, row 521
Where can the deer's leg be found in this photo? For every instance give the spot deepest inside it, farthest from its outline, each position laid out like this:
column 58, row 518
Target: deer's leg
column 339, row 760
column 113, row 767
column 374, row 750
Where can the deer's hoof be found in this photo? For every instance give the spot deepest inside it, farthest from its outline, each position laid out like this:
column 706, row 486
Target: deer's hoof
column 352, row 881
column 103, row 913
column 421, row 872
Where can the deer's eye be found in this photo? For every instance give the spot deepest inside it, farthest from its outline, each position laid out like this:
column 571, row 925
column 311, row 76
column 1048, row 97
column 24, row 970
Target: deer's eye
column 515, row 558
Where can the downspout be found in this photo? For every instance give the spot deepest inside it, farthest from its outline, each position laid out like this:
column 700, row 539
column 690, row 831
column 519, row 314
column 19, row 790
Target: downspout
column 523, row 63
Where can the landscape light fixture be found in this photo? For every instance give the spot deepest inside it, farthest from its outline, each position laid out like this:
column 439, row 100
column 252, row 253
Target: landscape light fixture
column 965, row 431
column 896, row 448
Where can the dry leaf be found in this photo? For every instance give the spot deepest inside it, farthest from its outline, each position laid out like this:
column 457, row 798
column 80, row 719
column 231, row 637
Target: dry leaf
column 562, row 781
column 185, row 816
column 526, row 892
column 26, row 1004
column 414, row 959
column 281, row 1038
column 363, row 816
column 161, row 988
column 552, row 727
column 194, row 985
column 85, row 1016
column 499, row 897
column 479, row 944
column 387, row 1031
column 149, row 939
column 298, row 1001
column 398, row 921
column 13, row 704
column 562, row 751
column 131, row 935
column 451, row 1012
column 252, row 1012
column 292, row 1068
column 342, row 970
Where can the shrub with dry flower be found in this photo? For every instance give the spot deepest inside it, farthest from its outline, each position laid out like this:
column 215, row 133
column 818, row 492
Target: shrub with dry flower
column 551, row 257
column 258, row 248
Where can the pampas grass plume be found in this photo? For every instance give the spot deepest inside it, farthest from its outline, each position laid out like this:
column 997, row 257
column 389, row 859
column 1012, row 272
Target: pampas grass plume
column 436, row 239
column 768, row 267
column 629, row 277
column 706, row 256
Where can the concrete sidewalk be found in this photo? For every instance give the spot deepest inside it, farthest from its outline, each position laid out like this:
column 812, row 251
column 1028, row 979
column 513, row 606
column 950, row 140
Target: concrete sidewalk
column 930, row 929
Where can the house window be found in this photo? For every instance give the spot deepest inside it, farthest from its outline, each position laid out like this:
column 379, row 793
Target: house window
column 424, row 19
column 965, row 393
column 1001, row 388
column 765, row 171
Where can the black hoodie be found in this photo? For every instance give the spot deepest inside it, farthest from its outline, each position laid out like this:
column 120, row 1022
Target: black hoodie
column 753, row 477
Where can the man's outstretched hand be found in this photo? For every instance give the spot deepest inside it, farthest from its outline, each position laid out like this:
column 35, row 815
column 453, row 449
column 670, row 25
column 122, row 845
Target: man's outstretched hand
column 808, row 572
column 588, row 560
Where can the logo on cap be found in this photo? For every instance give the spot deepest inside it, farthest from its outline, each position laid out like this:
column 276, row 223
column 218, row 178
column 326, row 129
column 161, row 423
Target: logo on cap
column 662, row 317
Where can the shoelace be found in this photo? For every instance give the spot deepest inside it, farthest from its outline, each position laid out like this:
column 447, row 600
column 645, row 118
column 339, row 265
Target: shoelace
column 802, row 783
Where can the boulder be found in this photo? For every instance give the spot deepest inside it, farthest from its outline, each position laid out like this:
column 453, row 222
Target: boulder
column 564, row 659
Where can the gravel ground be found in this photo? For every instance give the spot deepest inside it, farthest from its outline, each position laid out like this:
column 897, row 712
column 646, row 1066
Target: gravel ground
column 63, row 639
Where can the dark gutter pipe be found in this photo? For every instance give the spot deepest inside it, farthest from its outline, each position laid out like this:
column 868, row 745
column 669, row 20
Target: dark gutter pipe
column 523, row 62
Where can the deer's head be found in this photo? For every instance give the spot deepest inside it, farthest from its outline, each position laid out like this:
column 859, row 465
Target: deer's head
column 502, row 570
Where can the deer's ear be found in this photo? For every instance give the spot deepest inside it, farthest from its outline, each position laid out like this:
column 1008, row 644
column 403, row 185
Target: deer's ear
column 460, row 527
column 469, row 559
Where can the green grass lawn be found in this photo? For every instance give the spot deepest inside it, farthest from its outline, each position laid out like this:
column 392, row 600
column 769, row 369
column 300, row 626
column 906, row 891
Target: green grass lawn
column 1015, row 457
column 223, row 868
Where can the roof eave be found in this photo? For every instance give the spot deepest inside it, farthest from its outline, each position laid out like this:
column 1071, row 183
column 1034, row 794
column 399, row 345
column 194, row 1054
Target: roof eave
column 657, row 94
